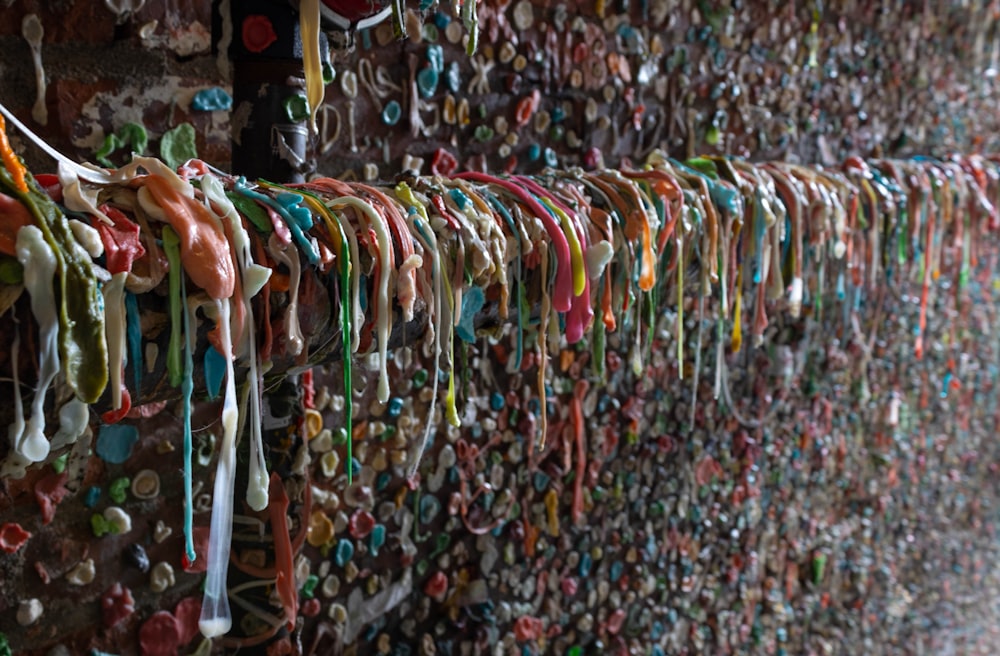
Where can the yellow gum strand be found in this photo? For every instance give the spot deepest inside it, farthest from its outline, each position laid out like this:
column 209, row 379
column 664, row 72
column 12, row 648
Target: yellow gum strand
column 405, row 194
column 451, row 412
column 332, row 226
column 575, row 250
column 738, row 313
column 309, row 17
column 874, row 228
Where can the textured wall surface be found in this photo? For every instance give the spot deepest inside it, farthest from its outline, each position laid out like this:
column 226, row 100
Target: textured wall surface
column 816, row 489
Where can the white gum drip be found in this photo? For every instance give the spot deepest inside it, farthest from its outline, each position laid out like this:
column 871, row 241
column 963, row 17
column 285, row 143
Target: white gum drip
column 74, row 418
column 385, row 267
column 39, row 264
column 437, row 292
column 114, row 319
column 288, row 255
column 216, row 618
column 254, row 277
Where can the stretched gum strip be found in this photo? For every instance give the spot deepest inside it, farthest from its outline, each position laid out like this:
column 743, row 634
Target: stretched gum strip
column 543, row 356
column 204, row 248
column 793, row 206
column 635, row 223
column 283, row 555
column 519, row 285
column 329, row 185
column 581, row 313
column 455, row 286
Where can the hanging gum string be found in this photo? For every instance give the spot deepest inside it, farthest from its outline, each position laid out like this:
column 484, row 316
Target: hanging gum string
column 638, row 226
column 288, row 255
column 543, row 357
column 711, row 222
column 357, row 314
column 335, row 227
column 790, row 197
column 216, row 618
column 558, row 210
column 178, row 297
column 576, row 319
column 448, row 314
column 429, row 241
column 518, row 273
column 406, row 280
column 491, row 225
column 384, row 265
column 420, row 226
column 925, row 287
column 81, row 333
column 40, row 265
column 309, row 28
column 252, row 278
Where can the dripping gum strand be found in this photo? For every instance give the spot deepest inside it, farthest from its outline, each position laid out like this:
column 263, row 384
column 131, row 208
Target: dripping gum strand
column 448, row 311
column 430, row 245
column 336, row 229
column 82, row 347
column 184, row 373
column 491, row 227
column 39, row 262
column 253, row 278
column 289, row 256
column 406, row 282
column 581, row 312
column 543, row 357
column 385, row 267
column 216, row 618
column 328, row 185
column 560, row 211
column 309, row 27
column 114, row 313
column 637, row 226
